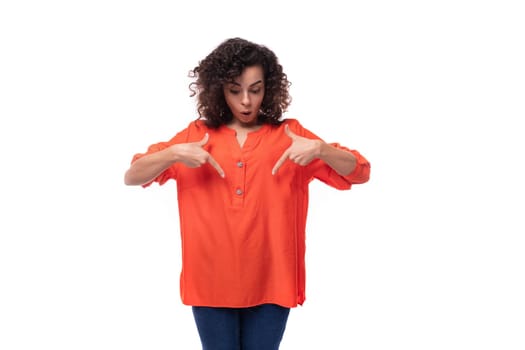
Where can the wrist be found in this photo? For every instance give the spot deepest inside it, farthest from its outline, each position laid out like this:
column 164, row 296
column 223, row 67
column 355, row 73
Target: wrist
column 173, row 153
column 322, row 149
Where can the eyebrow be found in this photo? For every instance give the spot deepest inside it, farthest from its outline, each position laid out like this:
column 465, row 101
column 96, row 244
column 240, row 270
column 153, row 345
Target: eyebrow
column 257, row 82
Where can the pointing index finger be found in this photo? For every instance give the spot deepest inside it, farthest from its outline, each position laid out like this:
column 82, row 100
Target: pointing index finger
column 216, row 165
column 280, row 162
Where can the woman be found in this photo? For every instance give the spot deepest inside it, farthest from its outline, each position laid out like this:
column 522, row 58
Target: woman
column 242, row 174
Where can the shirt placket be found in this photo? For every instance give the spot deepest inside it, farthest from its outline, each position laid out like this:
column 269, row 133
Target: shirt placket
column 240, row 183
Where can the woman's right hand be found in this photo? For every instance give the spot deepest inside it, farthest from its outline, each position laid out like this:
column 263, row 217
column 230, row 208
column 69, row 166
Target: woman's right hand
column 193, row 155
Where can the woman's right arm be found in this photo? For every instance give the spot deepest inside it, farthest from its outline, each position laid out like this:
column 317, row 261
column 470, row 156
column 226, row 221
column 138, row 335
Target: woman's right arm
column 148, row 167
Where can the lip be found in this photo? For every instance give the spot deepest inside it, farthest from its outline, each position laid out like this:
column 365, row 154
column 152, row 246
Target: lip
column 246, row 117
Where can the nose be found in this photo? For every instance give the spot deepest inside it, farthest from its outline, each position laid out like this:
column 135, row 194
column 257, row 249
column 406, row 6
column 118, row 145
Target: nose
column 245, row 101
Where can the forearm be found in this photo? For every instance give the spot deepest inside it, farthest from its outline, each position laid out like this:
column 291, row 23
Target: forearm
column 146, row 168
column 343, row 162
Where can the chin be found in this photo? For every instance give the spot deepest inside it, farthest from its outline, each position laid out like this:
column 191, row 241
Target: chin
column 247, row 120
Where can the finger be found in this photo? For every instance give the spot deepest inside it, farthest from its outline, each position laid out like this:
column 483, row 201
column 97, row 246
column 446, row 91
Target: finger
column 204, row 140
column 280, row 162
column 289, row 132
column 216, row 165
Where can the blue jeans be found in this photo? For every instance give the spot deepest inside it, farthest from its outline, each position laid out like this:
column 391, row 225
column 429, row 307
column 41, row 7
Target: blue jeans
column 254, row 328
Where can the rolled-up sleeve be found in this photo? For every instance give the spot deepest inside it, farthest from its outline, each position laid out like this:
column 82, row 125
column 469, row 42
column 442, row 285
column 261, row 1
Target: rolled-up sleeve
column 323, row 172
column 170, row 172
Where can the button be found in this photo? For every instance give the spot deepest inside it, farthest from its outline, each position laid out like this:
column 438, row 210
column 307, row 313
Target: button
column 240, row 164
column 238, row 191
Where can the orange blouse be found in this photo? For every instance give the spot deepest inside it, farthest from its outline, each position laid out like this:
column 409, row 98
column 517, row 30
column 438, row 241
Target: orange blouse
column 243, row 236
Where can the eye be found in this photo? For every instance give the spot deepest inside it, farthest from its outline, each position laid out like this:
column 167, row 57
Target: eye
column 256, row 91
column 234, row 92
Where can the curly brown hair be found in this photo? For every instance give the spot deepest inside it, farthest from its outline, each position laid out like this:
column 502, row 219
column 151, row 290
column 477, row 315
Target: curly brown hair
column 222, row 66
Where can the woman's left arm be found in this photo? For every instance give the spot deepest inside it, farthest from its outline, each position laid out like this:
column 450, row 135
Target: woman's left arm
column 345, row 162
column 342, row 161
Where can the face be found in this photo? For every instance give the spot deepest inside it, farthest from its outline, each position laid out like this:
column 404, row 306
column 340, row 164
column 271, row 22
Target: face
column 244, row 96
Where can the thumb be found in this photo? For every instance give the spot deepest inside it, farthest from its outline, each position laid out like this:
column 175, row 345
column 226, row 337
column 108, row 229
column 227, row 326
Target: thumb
column 289, row 132
column 204, row 140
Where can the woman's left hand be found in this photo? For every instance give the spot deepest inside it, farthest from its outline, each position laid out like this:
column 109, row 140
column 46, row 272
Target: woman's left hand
column 302, row 150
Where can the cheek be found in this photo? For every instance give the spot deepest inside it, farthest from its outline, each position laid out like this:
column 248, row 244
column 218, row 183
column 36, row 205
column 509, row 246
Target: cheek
column 260, row 99
column 229, row 100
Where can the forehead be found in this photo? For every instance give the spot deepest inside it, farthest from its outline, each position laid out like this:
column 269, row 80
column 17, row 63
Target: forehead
column 250, row 75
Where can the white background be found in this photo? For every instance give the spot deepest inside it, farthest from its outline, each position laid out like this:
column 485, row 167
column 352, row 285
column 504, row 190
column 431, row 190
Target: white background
column 429, row 254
